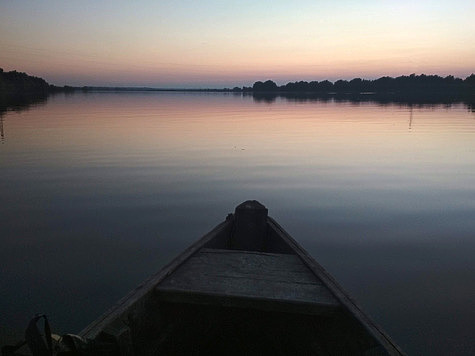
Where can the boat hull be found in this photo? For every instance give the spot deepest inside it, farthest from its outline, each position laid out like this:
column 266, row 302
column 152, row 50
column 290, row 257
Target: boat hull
column 246, row 287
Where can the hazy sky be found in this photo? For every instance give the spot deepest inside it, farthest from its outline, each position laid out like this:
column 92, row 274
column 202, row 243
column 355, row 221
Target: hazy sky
column 226, row 43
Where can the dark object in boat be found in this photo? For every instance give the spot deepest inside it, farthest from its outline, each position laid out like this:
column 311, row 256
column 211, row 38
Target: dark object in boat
column 245, row 288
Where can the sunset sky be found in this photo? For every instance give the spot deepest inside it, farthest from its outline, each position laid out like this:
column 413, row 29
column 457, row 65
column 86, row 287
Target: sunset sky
column 198, row 44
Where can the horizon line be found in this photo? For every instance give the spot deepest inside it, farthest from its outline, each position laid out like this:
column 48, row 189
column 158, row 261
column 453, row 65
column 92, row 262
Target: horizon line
column 138, row 87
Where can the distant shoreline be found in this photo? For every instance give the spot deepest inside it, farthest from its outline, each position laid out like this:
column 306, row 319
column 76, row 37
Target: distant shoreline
column 14, row 82
column 20, row 90
column 93, row 88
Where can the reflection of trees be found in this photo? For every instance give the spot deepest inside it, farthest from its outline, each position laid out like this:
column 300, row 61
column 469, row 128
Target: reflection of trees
column 18, row 103
column 19, row 91
column 405, row 99
column 264, row 97
column 2, row 133
column 410, row 90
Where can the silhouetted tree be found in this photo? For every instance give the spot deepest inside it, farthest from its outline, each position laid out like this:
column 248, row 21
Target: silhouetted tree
column 406, row 83
column 340, row 85
column 17, row 83
column 268, row 85
column 326, row 85
column 470, row 80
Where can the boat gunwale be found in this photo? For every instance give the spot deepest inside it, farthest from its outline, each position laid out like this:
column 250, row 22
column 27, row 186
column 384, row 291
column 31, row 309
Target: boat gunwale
column 148, row 286
column 340, row 294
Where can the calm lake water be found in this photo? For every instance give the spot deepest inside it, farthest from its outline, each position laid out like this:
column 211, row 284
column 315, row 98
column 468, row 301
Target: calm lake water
column 100, row 190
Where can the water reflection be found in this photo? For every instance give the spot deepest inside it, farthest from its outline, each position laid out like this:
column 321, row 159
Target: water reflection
column 17, row 103
column 100, row 189
column 402, row 98
column 20, row 102
column 2, row 131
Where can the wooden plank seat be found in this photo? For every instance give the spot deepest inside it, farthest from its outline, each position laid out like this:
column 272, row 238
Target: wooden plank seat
column 253, row 279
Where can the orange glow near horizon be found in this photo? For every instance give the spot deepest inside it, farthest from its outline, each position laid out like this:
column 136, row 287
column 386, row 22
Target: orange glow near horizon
column 210, row 44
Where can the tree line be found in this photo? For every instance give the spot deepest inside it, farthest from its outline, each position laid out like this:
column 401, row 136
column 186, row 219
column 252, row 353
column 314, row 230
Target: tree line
column 409, row 83
column 21, row 83
column 15, row 83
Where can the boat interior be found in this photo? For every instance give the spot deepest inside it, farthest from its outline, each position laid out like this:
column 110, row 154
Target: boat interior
column 246, row 288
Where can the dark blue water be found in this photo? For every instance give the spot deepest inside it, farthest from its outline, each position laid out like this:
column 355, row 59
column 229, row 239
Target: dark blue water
column 99, row 191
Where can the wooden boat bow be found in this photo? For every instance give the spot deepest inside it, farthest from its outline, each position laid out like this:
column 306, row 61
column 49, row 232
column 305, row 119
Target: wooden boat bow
column 246, row 287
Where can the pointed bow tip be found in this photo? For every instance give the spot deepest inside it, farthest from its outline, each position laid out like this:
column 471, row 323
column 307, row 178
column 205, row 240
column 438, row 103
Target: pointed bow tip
column 251, row 205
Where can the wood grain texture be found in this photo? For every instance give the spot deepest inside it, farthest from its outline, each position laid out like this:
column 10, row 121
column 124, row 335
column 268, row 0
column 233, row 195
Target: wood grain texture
column 250, row 275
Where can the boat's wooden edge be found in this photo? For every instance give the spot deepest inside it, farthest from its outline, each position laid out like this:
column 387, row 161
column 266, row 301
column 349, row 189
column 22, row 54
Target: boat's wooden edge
column 117, row 311
column 338, row 291
column 226, row 300
column 238, row 252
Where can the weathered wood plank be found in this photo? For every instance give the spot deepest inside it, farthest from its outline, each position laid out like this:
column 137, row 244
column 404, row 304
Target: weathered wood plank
column 251, row 275
column 250, row 264
column 243, row 302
